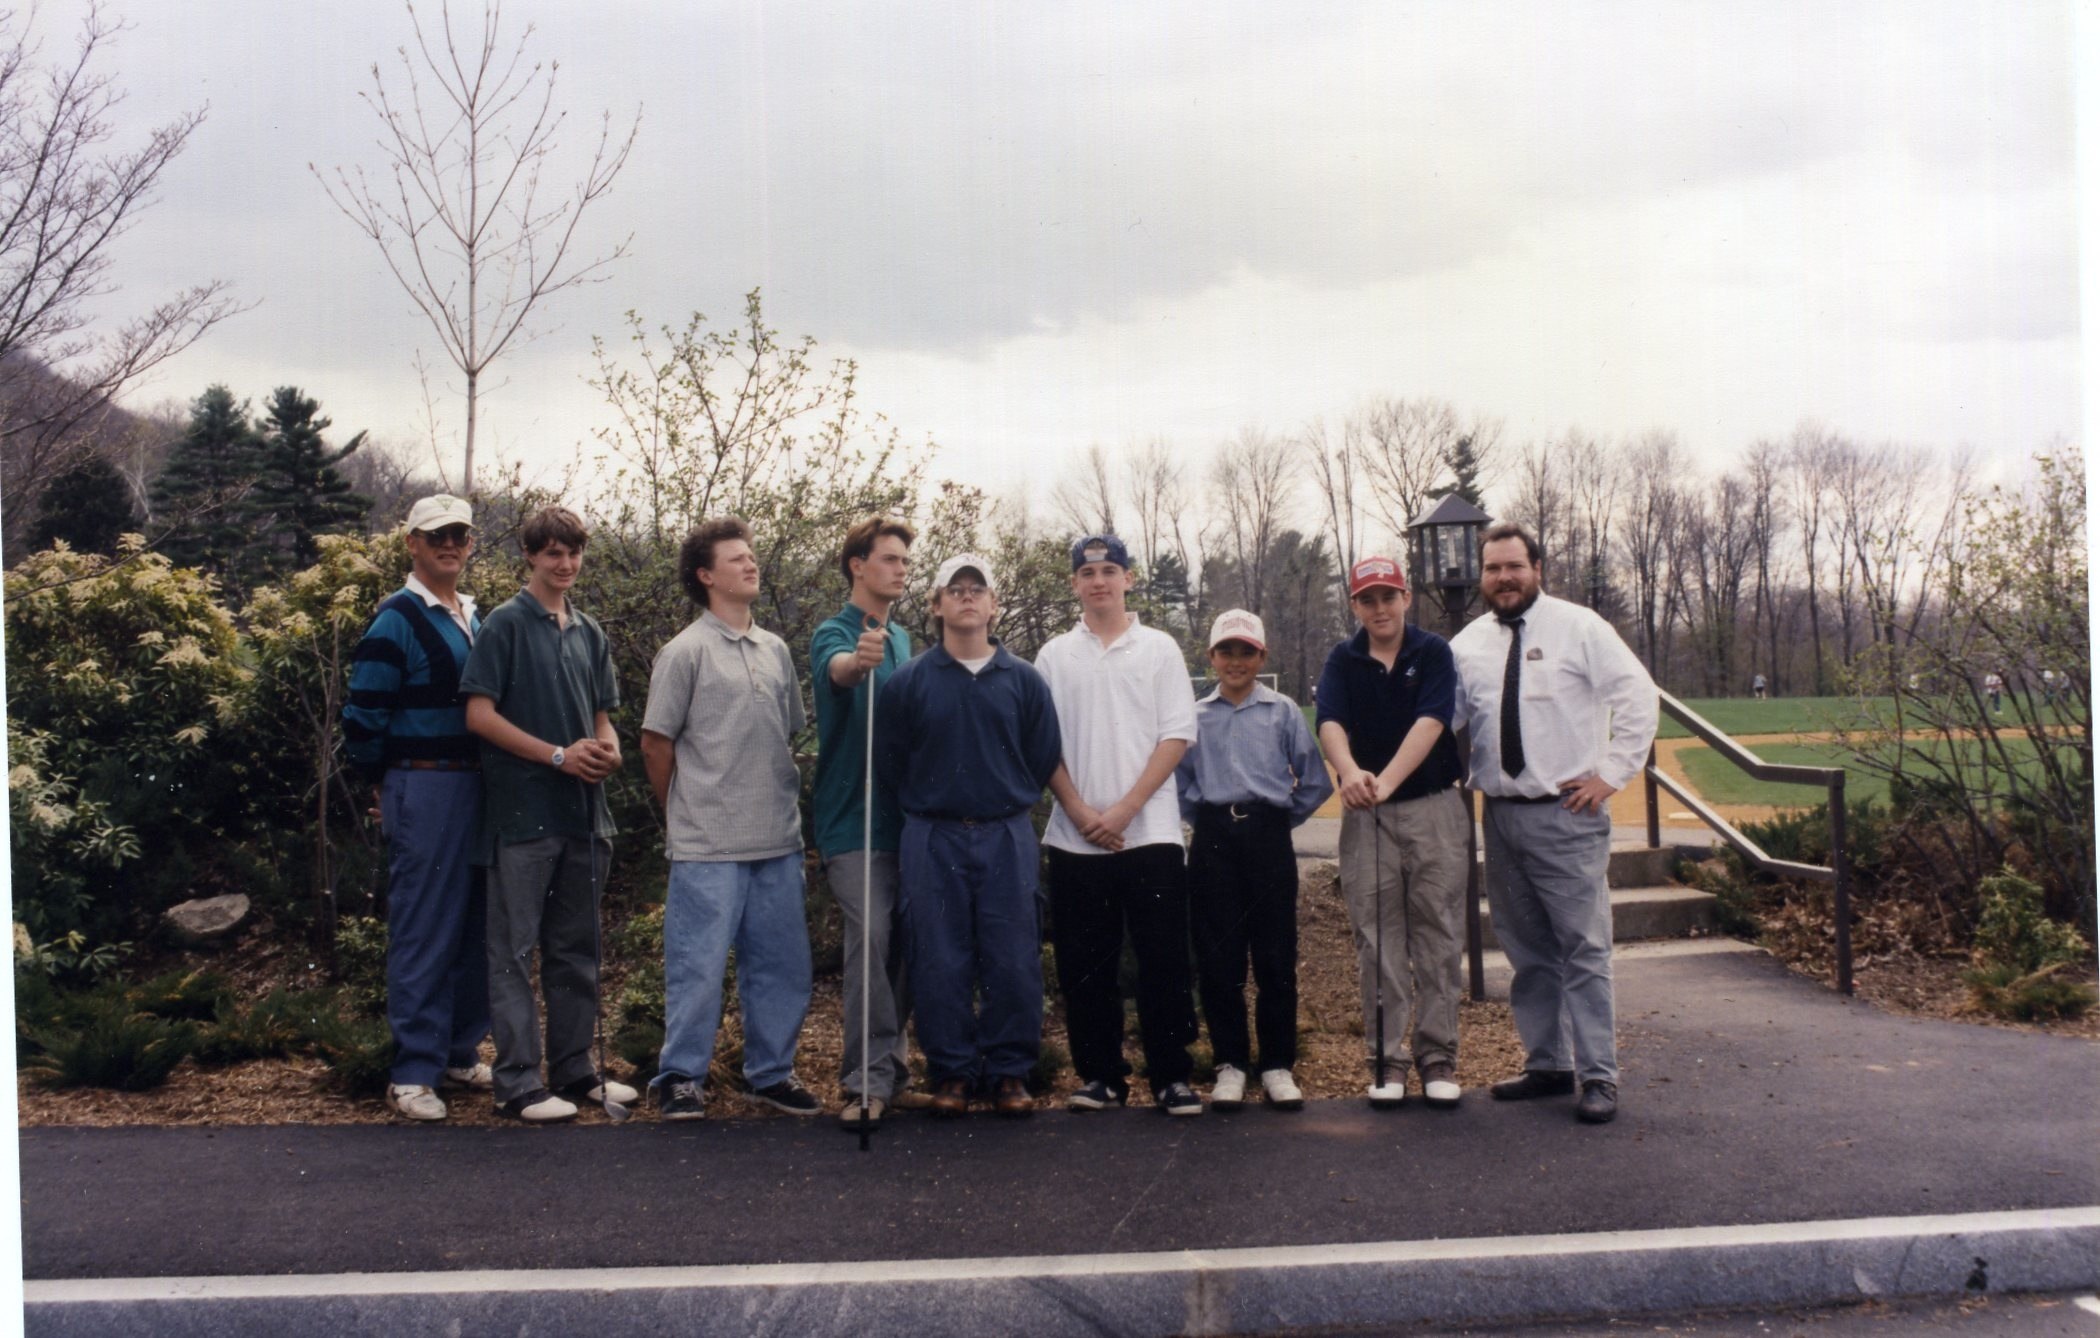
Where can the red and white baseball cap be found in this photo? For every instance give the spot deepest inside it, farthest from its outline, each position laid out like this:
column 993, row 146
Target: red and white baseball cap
column 1372, row 571
column 1237, row 625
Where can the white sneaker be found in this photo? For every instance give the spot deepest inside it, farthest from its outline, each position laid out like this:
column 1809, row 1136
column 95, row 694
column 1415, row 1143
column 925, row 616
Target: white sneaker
column 1388, row 1095
column 1229, row 1089
column 587, row 1093
column 542, row 1107
column 475, row 1075
column 418, row 1103
column 1279, row 1091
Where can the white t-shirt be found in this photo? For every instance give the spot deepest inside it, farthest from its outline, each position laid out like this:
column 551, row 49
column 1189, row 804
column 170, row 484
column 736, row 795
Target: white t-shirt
column 1115, row 705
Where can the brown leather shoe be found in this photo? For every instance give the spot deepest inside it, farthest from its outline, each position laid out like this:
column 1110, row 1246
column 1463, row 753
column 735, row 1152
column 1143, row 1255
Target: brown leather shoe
column 1013, row 1100
column 951, row 1100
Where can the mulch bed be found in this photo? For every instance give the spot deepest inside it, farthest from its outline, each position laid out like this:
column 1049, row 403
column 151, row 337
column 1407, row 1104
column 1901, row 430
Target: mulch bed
column 1332, row 1050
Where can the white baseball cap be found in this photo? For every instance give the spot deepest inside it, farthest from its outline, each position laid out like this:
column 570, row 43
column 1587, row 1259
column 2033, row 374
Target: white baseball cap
column 437, row 511
column 961, row 562
column 1238, row 625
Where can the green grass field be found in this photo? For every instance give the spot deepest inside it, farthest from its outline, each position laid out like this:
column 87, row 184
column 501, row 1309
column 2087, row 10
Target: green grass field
column 1718, row 781
column 1739, row 716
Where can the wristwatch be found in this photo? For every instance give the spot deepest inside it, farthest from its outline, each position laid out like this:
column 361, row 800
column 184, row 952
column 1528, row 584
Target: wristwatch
column 557, row 757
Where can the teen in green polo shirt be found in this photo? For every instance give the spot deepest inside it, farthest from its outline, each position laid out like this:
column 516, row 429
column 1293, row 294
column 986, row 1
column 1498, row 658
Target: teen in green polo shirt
column 540, row 691
column 851, row 656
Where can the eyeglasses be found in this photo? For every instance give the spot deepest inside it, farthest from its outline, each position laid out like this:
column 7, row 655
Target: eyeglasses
column 448, row 536
column 967, row 591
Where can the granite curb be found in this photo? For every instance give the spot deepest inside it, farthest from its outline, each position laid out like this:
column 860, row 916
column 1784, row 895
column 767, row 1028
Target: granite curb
column 1264, row 1290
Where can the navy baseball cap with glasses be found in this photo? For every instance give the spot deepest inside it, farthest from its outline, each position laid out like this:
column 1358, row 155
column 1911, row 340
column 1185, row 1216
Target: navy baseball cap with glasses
column 1100, row 548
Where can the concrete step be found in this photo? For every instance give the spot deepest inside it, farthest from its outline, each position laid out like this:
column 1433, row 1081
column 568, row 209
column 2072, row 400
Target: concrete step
column 1661, row 911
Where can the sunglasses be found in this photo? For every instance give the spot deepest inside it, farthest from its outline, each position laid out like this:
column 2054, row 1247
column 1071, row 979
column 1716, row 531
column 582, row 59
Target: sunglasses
column 448, row 535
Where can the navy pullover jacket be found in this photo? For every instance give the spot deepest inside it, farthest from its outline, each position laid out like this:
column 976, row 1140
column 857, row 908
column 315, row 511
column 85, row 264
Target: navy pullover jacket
column 1376, row 706
column 405, row 704
column 952, row 744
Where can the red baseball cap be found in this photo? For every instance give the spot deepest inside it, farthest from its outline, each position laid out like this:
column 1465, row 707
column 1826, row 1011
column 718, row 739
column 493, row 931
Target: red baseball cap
column 1371, row 571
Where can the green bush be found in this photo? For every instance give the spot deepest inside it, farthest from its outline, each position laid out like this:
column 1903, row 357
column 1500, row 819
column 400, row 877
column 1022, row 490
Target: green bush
column 2021, row 956
column 360, row 962
column 125, row 680
column 182, row 996
column 115, row 1048
column 281, row 1023
column 359, row 1051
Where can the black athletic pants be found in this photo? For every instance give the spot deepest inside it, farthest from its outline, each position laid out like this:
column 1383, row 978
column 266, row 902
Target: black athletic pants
column 1243, row 904
column 1094, row 899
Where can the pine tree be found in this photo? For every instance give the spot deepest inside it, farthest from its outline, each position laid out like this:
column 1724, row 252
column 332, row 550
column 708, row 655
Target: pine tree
column 203, row 490
column 299, row 494
column 88, row 506
column 1465, row 468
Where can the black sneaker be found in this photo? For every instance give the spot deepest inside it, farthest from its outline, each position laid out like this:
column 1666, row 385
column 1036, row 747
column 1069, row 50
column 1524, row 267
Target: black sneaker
column 1097, row 1095
column 788, row 1095
column 1600, row 1102
column 1178, row 1098
column 679, row 1099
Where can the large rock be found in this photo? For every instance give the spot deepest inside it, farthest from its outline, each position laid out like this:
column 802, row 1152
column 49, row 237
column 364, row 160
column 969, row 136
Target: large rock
column 205, row 921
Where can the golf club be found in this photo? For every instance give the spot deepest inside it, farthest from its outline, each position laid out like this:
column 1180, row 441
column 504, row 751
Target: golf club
column 614, row 1111
column 867, row 886
column 1382, row 1097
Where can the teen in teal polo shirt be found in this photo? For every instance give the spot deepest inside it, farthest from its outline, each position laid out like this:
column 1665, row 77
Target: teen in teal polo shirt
column 851, row 656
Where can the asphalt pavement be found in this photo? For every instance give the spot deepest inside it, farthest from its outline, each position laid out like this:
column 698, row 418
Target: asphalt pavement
column 1750, row 1096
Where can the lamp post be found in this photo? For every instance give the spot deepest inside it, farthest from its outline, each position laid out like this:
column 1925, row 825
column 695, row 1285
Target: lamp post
column 1447, row 557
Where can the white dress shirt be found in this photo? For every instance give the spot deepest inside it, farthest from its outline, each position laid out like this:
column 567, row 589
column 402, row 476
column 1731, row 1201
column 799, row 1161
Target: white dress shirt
column 1585, row 703
column 1116, row 704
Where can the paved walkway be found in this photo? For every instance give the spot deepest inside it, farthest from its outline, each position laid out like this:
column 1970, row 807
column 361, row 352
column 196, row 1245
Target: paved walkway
column 1750, row 1097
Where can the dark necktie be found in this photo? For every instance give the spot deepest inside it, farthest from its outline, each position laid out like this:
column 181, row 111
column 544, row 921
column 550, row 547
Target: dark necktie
column 1512, row 730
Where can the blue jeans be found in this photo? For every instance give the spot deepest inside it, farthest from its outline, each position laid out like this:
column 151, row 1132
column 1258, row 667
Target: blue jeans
column 754, row 906
column 437, row 990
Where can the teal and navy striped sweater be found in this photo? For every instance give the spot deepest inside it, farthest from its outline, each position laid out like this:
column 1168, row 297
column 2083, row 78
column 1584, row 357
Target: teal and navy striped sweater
column 405, row 702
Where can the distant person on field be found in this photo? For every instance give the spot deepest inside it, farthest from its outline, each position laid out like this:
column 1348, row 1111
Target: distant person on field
column 851, row 656
column 1558, row 715
column 1254, row 774
column 1117, row 869
column 1994, row 688
column 1386, row 701
column 966, row 738
column 1757, row 686
column 540, row 694
column 405, row 731
column 717, row 740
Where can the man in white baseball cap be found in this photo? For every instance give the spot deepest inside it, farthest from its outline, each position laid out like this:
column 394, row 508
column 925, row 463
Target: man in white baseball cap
column 966, row 738
column 405, row 730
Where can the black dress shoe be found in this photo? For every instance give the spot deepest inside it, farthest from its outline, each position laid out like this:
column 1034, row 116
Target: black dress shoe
column 1534, row 1083
column 1600, row 1102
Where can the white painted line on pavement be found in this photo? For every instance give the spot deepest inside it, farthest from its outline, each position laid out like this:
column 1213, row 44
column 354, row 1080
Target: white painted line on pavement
column 62, row 1291
column 2089, row 1304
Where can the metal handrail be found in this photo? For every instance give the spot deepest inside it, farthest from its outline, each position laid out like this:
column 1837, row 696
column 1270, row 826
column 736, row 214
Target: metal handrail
column 1832, row 779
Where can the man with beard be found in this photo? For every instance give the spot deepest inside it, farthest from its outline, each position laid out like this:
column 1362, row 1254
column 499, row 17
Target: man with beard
column 1559, row 714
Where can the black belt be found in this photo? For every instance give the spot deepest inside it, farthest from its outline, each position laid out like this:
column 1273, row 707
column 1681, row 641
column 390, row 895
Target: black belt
column 962, row 821
column 1240, row 812
column 1525, row 798
column 436, row 764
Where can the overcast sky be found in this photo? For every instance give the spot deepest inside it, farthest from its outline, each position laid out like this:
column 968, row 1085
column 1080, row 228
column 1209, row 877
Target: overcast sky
column 1046, row 226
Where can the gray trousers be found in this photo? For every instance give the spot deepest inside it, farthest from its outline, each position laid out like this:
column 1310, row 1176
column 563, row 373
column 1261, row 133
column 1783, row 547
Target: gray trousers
column 1420, row 857
column 544, row 894
column 889, row 994
column 1546, row 887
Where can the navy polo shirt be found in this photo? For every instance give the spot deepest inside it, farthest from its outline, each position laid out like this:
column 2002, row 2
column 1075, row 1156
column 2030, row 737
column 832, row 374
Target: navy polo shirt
column 1376, row 706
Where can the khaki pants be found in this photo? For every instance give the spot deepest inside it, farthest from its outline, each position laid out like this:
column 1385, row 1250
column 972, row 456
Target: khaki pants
column 1420, row 856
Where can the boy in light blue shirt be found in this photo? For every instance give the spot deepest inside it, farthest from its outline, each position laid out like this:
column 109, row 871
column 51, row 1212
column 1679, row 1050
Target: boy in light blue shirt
column 1254, row 774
